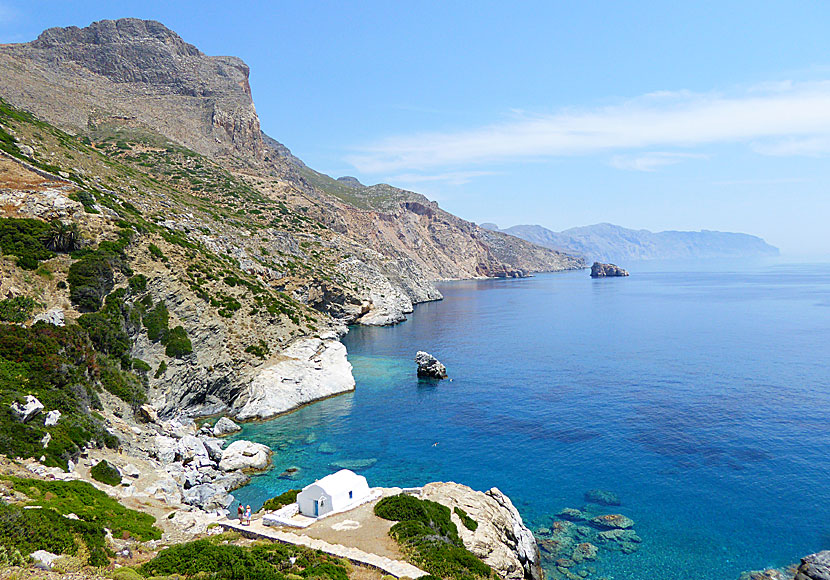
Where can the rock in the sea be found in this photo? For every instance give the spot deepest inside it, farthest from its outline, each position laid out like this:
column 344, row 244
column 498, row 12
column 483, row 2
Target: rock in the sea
column 354, row 464
column 814, row 567
column 613, row 521
column 245, row 455
column 602, row 497
column 225, row 426
column 599, row 270
column 584, row 551
column 28, row 410
column 501, row 539
column 429, row 366
column 327, row 448
column 52, row 418
column 308, row 370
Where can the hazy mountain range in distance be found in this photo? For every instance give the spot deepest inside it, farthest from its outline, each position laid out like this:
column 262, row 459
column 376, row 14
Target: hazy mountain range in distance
column 611, row 243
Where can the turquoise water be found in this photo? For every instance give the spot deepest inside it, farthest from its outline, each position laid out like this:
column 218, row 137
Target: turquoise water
column 700, row 394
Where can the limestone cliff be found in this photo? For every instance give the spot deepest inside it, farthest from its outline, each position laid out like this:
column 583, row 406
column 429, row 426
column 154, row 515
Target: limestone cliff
column 138, row 136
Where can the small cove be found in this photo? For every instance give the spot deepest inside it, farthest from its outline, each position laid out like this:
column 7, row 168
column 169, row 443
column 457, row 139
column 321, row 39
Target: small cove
column 698, row 393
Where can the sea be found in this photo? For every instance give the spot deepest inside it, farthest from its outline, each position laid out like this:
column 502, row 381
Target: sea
column 698, row 393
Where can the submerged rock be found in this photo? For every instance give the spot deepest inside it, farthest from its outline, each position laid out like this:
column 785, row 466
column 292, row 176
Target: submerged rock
column 327, row 449
column 571, row 514
column 602, row 497
column 354, row 464
column 615, row 521
column 429, row 366
column 599, row 270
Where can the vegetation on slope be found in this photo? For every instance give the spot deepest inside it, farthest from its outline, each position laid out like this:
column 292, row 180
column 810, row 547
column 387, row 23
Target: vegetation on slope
column 212, row 559
column 427, row 534
column 281, row 500
column 48, row 528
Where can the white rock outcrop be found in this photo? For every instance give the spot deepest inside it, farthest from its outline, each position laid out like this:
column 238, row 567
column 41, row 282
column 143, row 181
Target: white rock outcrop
column 225, row 426
column 27, row 410
column 43, row 559
column 54, row 317
column 52, row 418
column 245, row 455
column 308, row 370
column 501, row 539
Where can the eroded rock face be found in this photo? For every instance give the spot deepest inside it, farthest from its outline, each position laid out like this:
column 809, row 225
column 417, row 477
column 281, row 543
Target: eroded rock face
column 599, row 270
column 814, row 567
column 501, row 539
column 429, row 366
column 308, row 370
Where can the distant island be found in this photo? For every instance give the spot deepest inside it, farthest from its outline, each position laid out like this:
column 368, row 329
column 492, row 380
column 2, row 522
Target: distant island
column 611, row 243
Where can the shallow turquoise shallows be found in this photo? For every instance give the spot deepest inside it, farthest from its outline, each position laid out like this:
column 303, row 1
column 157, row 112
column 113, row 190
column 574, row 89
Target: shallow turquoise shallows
column 700, row 394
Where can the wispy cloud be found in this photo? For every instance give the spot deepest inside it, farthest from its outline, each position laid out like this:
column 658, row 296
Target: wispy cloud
column 452, row 177
column 778, row 181
column 764, row 113
column 817, row 146
column 652, row 161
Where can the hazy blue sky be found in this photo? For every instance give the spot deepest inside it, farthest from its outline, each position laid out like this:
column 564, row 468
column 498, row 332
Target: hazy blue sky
column 658, row 115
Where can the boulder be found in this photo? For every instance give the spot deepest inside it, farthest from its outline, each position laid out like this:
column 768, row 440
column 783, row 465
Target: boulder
column 429, row 366
column 54, row 317
column 600, row 270
column 225, row 426
column 167, row 448
column 814, row 567
column 43, row 559
column 131, row 470
column 148, row 414
column 245, row 455
column 191, row 447
column 52, row 418
column 26, row 411
column 46, row 439
column 208, row 496
column 501, row 539
column 602, row 497
column 214, row 448
column 166, row 489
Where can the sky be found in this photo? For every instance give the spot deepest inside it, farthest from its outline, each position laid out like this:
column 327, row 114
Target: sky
column 646, row 114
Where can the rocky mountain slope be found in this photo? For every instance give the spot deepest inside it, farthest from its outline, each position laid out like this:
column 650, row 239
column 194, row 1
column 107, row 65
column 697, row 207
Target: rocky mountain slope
column 205, row 260
column 610, row 243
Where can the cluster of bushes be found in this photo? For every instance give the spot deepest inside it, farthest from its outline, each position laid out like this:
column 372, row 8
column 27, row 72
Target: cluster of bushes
column 468, row 522
column 281, row 500
column 175, row 340
column 58, row 365
column 17, row 309
column 427, row 534
column 212, row 559
column 105, row 472
column 260, row 350
column 25, row 239
column 91, row 277
column 28, row 530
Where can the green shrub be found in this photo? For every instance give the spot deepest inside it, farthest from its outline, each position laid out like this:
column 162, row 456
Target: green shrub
column 468, row 522
column 17, row 309
column 212, row 560
column 104, row 472
column 281, row 500
column 426, row 532
column 106, row 332
column 126, row 386
column 156, row 322
column 156, row 252
column 25, row 238
column 90, row 279
column 138, row 283
column 140, row 366
column 162, row 368
column 62, row 237
column 29, row 530
column 260, row 350
column 178, row 344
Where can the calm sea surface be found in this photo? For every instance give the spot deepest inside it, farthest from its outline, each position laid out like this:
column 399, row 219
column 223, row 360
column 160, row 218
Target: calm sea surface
column 700, row 394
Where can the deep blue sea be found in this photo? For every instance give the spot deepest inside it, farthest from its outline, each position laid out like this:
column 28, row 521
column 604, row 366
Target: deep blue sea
column 699, row 393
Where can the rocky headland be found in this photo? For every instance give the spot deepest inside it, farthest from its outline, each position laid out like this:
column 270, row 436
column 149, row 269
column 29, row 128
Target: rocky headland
column 599, row 270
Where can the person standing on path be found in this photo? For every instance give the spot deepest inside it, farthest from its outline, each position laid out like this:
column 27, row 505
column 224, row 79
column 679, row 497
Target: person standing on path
column 240, row 512
column 248, row 514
